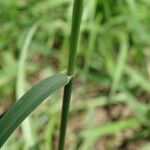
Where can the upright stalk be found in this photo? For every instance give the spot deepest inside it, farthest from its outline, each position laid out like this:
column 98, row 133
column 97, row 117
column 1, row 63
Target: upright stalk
column 76, row 22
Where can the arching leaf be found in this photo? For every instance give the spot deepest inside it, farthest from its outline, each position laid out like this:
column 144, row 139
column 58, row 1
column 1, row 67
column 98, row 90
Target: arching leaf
column 28, row 102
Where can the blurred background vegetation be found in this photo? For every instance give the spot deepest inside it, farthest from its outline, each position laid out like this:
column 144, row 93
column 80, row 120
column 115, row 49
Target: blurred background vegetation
column 110, row 108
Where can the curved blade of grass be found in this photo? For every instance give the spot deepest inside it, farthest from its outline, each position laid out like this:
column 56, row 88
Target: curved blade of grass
column 120, row 63
column 20, row 85
column 91, row 135
column 49, row 132
column 137, row 78
column 92, row 38
column 141, row 110
column 28, row 102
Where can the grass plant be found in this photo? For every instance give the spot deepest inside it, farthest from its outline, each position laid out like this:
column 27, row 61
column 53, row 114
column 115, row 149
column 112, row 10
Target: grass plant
column 113, row 58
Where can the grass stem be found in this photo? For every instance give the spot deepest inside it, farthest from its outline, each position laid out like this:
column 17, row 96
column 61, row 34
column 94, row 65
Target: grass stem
column 76, row 22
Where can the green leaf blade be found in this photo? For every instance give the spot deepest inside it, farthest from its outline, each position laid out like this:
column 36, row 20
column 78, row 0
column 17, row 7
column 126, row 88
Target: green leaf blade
column 28, row 102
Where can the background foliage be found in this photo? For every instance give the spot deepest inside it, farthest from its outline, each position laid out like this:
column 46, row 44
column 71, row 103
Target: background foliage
column 110, row 107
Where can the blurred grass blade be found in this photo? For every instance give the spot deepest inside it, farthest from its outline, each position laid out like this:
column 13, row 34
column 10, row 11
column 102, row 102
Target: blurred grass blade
column 92, row 36
column 140, row 110
column 91, row 135
column 110, row 128
column 20, row 85
column 138, row 79
column 106, row 9
column 22, row 60
column 28, row 102
column 49, row 132
column 120, row 64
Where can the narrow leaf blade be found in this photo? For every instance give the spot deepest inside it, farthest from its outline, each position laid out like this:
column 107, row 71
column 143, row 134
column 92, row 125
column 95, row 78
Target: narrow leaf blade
column 28, row 102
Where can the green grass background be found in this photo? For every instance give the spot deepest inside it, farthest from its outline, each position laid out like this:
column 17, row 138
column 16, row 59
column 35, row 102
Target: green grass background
column 113, row 70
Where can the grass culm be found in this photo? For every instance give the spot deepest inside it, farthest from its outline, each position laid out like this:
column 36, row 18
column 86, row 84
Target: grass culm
column 76, row 22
